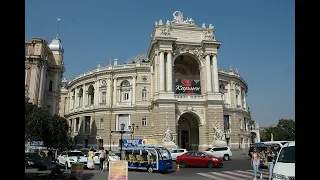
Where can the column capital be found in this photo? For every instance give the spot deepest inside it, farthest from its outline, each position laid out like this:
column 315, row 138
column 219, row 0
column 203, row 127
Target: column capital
column 168, row 51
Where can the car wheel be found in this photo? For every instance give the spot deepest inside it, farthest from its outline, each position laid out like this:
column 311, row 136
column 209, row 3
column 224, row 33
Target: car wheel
column 210, row 164
column 150, row 169
column 226, row 157
column 183, row 164
column 66, row 165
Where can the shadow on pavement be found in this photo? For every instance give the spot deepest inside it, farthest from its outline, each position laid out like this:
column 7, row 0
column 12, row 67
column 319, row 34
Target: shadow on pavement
column 45, row 176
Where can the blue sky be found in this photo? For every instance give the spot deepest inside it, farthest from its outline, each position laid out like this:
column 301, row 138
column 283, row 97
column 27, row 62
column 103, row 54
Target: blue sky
column 257, row 38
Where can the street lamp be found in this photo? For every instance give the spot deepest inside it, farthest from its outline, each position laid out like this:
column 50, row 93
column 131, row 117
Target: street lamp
column 133, row 128
column 239, row 140
column 110, row 136
column 121, row 132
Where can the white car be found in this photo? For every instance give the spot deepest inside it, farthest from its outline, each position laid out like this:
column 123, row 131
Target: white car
column 284, row 168
column 223, row 152
column 112, row 157
column 67, row 158
column 176, row 152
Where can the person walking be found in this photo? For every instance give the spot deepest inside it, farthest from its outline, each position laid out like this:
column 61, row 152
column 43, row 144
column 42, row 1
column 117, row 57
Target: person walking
column 90, row 163
column 255, row 162
column 270, row 157
column 102, row 157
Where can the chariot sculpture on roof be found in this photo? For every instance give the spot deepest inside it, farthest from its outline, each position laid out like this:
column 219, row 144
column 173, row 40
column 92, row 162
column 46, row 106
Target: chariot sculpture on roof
column 178, row 18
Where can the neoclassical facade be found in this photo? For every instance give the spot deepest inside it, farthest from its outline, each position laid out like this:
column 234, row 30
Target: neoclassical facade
column 43, row 73
column 177, row 83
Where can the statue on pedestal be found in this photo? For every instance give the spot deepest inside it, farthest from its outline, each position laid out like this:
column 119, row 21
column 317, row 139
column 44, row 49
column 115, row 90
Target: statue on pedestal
column 168, row 140
column 219, row 138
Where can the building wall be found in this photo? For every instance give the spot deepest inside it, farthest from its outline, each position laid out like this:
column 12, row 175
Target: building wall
column 162, row 109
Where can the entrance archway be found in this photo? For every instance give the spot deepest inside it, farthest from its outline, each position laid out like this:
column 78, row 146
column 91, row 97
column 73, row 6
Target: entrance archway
column 188, row 131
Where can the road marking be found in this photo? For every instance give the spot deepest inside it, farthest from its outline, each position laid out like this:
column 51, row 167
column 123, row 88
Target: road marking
column 210, row 176
column 238, row 174
column 227, row 176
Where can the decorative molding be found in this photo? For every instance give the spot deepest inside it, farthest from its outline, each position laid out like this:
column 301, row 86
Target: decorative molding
column 192, row 49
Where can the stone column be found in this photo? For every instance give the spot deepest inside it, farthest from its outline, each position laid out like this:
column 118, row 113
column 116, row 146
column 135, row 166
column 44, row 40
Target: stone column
column 240, row 97
column 215, row 73
column 114, row 91
column 70, row 100
column 84, row 95
column 208, row 71
column 133, row 90
column 162, row 80
column 109, row 92
column 229, row 93
column 96, row 93
column 40, row 87
column 151, row 82
column 156, row 73
column 76, row 98
column 169, row 72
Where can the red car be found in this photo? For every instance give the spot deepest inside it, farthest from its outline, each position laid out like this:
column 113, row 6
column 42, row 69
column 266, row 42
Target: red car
column 198, row 158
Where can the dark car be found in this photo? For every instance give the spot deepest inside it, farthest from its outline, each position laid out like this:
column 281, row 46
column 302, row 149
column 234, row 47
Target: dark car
column 33, row 160
column 198, row 158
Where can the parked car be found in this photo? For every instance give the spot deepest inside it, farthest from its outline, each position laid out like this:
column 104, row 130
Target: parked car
column 222, row 152
column 198, row 158
column 33, row 160
column 112, row 157
column 67, row 158
column 176, row 152
column 284, row 167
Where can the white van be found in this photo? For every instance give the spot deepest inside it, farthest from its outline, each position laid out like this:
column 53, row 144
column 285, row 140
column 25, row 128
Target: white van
column 284, row 167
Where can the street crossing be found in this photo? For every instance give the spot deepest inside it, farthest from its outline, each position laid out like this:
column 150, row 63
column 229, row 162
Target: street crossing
column 234, row 175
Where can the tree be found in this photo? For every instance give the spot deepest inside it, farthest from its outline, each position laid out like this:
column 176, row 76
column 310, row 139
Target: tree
column 53, row 130
column 283, row 131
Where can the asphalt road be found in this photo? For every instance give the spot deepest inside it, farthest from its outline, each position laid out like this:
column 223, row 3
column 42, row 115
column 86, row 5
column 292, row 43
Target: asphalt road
column 237, row 163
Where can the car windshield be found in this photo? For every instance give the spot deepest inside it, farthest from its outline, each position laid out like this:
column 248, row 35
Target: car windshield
column 75, row 154
column 287, row 155
column 164, row 153
column 208, row 149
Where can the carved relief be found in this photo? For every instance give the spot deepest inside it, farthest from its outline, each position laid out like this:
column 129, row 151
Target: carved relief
column 195, row 50
column 103, row 83
column 209, row 35
column 165, row 31
column 144, row 78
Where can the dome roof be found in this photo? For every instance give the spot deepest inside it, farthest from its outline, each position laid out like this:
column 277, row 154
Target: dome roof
column 56, row 45
column 143, row 58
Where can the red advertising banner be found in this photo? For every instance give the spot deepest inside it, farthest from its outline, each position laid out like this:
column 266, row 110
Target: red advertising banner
column 188, row 86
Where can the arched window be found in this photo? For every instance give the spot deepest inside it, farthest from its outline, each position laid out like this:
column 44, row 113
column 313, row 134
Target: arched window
column 91, row 95
column 144, row 94
column 125, row 91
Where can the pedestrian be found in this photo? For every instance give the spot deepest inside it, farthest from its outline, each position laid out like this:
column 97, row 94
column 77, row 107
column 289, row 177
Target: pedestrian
column 270, row 158
column 255, row 162
column 90, row 163
column 102, row 157
column 48, row 163
column 106, row 161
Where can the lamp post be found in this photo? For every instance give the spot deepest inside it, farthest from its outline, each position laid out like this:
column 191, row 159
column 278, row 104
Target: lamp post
column 239, row 140
column 121, row 132
column 133, row 128
column 110, row 136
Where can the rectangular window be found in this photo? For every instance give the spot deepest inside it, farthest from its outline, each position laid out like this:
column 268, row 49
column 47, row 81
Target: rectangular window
column 101, row 123
column 144, row 121
column 237, row 102
column 226, row 122
column 125, row 97
column 26, row 49
column 70, row 125
column 77, row 124
column 50, row 86
column 103, row 97
column 87, row 124
column 123, row 119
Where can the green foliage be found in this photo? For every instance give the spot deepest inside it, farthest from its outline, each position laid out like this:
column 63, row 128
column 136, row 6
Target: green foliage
column 283, row 131
column 40, row 125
